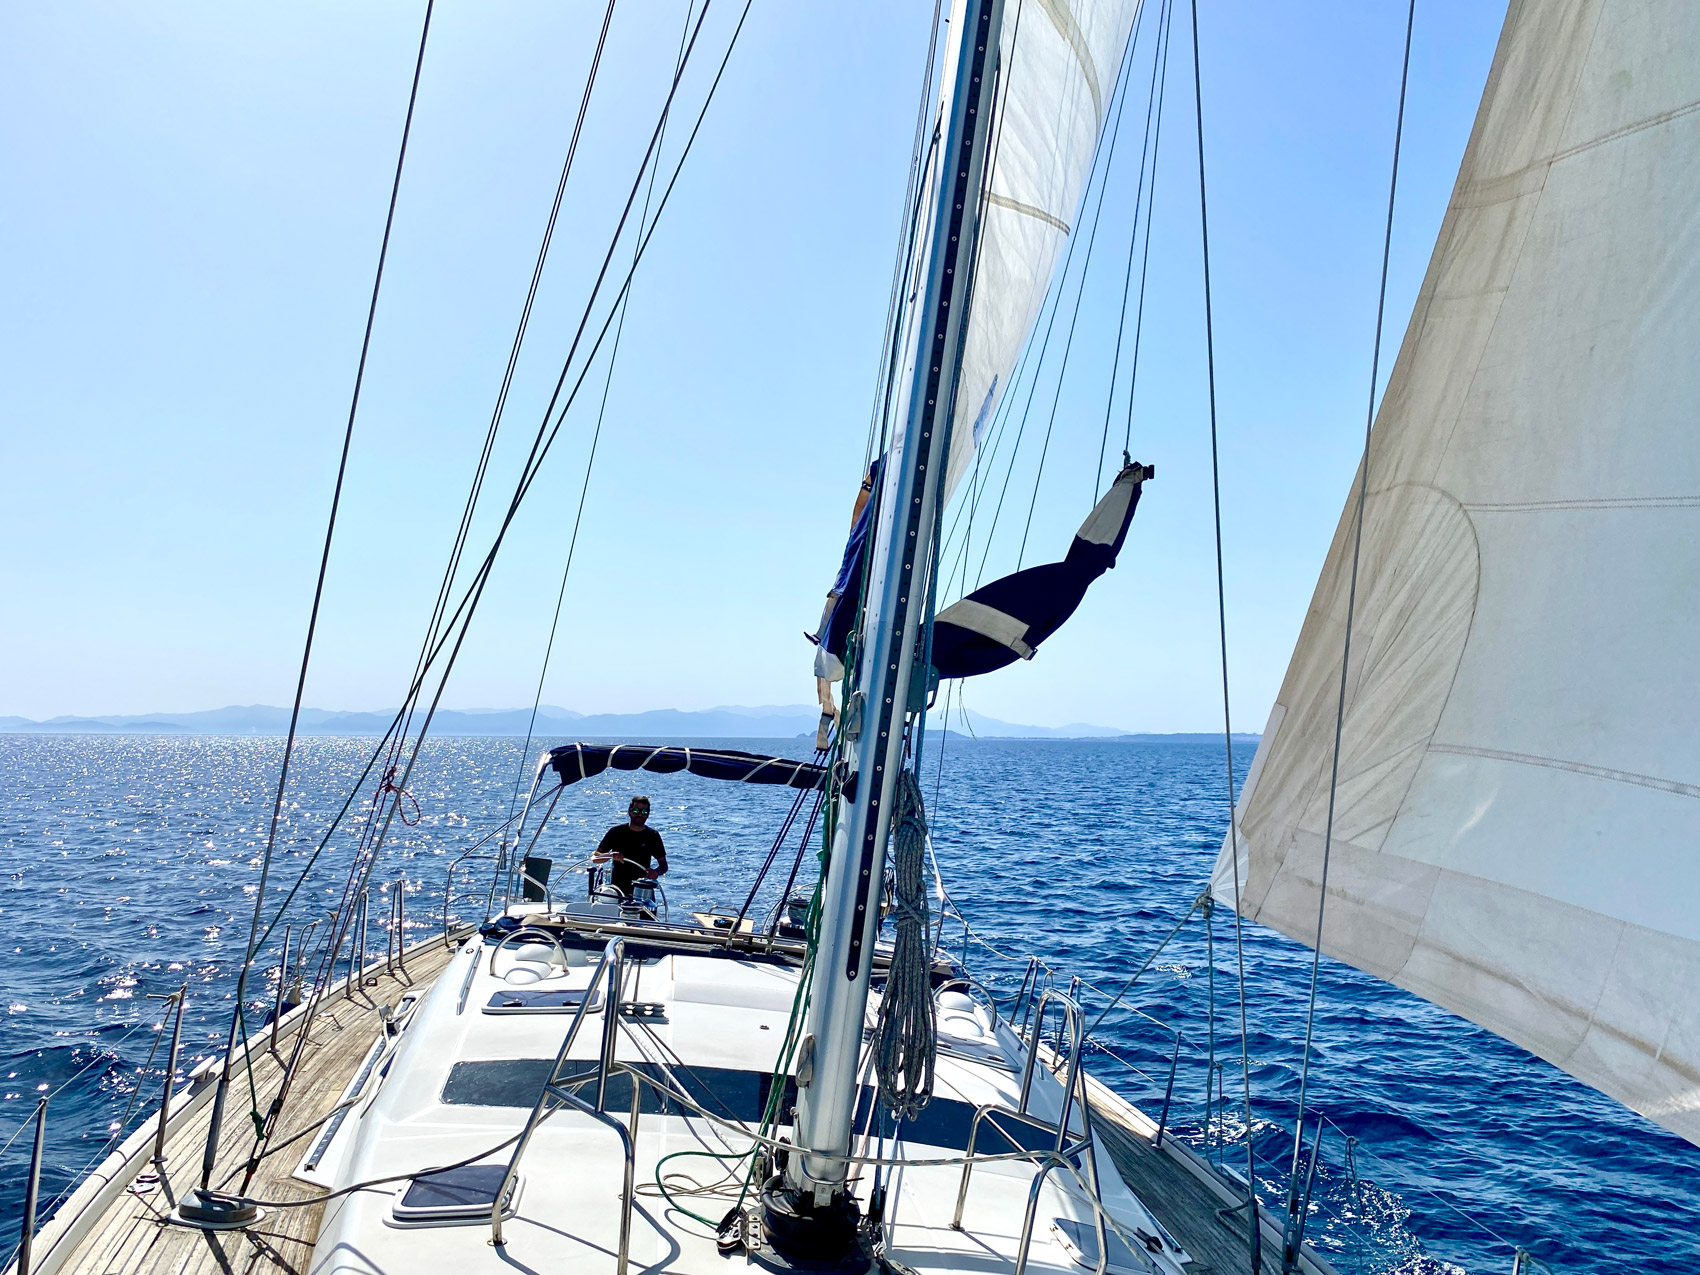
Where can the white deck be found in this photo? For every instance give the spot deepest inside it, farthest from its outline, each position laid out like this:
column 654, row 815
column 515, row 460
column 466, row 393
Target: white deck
column 718, row 1011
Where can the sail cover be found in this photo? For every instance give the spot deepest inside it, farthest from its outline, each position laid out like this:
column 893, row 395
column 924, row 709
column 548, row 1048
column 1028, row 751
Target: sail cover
column 1058, row 64
column 573, row 762
column 1008, row 618
column 1517, row 835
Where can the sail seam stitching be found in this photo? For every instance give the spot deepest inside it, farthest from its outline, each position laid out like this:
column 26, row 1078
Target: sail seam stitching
column 1510, row 180
column 1069, row 29
column 1515, row 262
column 1652, row 121
column 1015, row 205
column 1577, row 767
column 1603, row 502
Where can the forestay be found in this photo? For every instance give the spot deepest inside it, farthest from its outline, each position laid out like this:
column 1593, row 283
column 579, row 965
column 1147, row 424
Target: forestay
column 1519, row 785
column 1058, row 64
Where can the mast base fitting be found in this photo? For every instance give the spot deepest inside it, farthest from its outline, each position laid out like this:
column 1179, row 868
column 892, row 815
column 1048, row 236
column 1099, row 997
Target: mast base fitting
column 216, row 1211
column 799, row 1235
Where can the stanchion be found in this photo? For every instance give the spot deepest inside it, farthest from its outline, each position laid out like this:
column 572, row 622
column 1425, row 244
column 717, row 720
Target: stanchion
column 180, row 995
column 282, row 984
column 32, row 1186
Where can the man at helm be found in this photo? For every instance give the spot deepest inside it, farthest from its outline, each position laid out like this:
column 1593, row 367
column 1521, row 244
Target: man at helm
column 633, row 847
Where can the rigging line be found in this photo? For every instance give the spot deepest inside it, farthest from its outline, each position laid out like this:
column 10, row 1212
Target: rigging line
column 797, row 863
column 1080, row 290
column 1038, row 366
column 1002, row 87
column 1222, row 636
column 1150, row 212
column 595, row 440
column 1351, row 607
column 99, row 1058
column 919, row 154
column 541, row 447
column 392, row 737
column 318, row 598
column 547, row 434
column 986, row 459
column 1032, row 389
column 1000, row 421
column 883, row 398
column 1055, row 301
column 482, row 469
column 1146, row 964
column 1146, row 152
column 785, row 827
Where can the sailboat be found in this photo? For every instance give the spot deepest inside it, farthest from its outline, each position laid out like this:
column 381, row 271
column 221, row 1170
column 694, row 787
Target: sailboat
column 1493, row 809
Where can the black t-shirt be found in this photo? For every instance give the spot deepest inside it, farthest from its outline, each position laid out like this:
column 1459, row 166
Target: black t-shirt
column 639, row 849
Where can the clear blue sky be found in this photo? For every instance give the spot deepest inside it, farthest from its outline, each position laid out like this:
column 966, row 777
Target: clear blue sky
column 195, row 193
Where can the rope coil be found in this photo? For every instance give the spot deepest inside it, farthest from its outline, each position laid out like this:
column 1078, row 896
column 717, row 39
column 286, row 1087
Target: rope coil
column 906, row 1038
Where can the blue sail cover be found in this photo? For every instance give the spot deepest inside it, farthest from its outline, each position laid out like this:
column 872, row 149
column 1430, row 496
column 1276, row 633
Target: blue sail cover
column 573, row 762
column 1008, row 618
column 846, row 592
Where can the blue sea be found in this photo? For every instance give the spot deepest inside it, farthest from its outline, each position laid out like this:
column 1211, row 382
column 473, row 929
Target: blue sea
column 129, row 864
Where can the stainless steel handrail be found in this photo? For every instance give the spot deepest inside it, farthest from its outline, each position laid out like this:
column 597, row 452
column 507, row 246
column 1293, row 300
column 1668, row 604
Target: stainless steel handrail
column 449, row 884
column 1062, row 1152
column 1026, row 1245
column 554, row 1092
column 1072, row 1016
column 993, row 1110
column 516, row 866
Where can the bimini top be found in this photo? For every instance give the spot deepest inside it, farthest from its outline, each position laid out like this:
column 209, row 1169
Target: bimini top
column 573, row 762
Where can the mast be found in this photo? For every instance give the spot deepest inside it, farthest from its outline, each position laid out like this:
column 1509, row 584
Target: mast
column 812, row 1217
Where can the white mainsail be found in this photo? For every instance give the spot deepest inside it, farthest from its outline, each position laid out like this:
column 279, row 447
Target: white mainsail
column 1517, row 835
column 1058, row 67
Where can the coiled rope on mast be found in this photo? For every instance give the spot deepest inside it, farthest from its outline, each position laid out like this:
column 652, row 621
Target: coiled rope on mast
column 907, row 1035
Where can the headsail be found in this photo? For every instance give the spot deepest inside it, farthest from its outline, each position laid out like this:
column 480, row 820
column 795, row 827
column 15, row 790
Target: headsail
column 1059, row 61
column 1519, row 794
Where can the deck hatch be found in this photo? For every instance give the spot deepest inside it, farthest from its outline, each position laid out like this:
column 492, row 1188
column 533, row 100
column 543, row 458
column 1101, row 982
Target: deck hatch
column 727, row 1091
column 454, row 1195
column 530, row 1000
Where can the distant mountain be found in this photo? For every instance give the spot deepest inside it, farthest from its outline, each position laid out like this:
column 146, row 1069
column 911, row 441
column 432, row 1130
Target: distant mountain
column 984, row 727
column 1187, row 737
column 767, row 721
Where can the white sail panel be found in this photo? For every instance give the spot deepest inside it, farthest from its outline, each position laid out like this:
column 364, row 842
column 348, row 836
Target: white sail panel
column 1517, row 833
column 1059, row 62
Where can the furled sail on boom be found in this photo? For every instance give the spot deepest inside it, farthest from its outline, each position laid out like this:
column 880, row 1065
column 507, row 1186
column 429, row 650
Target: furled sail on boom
column 1518, row 803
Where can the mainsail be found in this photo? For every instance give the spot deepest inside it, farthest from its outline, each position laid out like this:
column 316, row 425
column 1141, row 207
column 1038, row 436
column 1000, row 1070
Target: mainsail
column 1517, row 834
column 1059, row 61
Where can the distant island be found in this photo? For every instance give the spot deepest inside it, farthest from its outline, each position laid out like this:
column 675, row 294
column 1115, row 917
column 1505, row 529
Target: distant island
column 782, row 721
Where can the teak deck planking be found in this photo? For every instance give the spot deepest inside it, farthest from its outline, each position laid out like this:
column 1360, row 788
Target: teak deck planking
column 134, row 1239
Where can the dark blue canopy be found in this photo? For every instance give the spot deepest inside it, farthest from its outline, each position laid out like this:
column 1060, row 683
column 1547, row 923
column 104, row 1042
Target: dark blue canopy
column 573, row 762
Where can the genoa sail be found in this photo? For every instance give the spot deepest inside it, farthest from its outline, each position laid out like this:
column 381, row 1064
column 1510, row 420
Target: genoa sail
column 1519, row 769
column 1058, row 66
